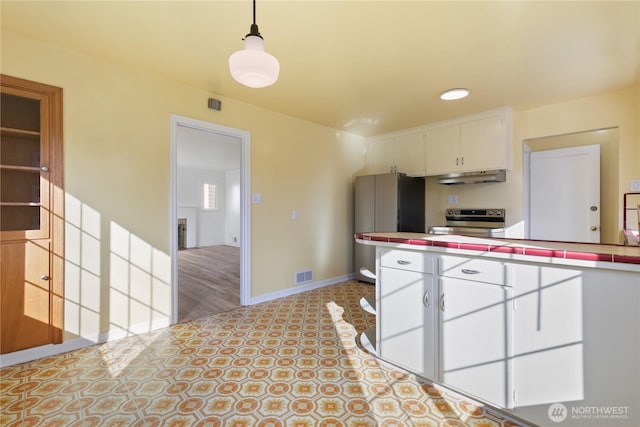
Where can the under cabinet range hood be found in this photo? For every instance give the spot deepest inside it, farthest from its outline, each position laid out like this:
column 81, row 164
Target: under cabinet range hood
column 478, row 177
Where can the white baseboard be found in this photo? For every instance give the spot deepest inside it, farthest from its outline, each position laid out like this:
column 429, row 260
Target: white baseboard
column 302, row 288
column 48, row 350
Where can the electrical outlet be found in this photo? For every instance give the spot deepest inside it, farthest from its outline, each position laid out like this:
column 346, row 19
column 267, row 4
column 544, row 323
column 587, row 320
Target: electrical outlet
column 452, row 200
column 635, row 185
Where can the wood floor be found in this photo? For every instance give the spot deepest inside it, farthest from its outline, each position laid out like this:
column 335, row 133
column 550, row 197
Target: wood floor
column 208, row 281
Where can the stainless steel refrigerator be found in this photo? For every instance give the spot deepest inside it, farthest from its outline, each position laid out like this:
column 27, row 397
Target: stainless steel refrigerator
column 388, row 202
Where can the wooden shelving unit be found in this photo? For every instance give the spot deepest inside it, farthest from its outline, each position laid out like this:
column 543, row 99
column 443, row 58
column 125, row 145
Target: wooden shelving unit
column 31, row 214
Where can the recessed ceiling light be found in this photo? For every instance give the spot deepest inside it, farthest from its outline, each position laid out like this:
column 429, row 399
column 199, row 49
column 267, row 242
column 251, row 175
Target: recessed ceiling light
column 452, row 94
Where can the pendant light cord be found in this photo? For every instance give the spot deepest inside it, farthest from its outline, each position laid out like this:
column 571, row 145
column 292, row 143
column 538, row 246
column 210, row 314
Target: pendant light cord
column 254, row 27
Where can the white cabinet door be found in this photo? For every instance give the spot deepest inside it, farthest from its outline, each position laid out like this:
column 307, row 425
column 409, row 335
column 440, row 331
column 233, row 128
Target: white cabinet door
column 399, row 153
column 380, row 156
column 406, row 316
column 475, row 143
column 442, row 148
column 483, row 145
column 475, row 336
column 408, row 154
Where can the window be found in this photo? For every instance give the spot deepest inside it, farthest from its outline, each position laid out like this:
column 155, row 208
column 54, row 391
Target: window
column 210, row 197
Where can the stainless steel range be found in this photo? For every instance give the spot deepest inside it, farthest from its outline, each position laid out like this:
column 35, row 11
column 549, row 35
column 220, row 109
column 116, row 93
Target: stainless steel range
column 472, row 222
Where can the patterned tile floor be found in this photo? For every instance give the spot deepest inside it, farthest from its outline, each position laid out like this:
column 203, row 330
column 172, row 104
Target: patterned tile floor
column 295, row 361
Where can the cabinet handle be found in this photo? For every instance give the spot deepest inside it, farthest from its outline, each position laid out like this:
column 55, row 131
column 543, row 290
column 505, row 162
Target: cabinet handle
column 44, row 169
column 45, row 277
column 427, row 299
column 442, row 302
column 470, row 271
column 403, row 262
column 462, row 160
column 456, row 161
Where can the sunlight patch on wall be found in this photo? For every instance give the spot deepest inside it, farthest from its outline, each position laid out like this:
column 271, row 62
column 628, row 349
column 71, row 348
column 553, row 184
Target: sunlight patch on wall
column 82, row 269
column 139, row 288
column 516, row 230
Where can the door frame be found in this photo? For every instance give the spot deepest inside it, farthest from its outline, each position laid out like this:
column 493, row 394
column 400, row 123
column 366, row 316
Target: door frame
column 609, row 140
column 245, row 203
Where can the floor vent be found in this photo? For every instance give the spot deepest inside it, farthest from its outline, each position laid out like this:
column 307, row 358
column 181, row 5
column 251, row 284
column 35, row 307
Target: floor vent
column 304, row 276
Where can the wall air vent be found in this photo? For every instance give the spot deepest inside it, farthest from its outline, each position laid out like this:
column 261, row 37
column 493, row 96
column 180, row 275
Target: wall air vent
column 303, row 277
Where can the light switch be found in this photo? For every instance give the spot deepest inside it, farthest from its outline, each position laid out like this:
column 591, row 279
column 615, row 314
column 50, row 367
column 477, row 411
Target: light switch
column 294, row 214
column 635, row 185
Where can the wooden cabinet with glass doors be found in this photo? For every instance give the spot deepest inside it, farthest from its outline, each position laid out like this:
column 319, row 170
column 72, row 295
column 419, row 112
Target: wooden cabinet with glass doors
column 31, row 215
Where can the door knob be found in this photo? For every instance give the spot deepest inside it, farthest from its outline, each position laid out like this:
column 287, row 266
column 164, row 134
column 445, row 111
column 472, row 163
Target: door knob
column 45, row 277
column 593, row 208
column 594, row 228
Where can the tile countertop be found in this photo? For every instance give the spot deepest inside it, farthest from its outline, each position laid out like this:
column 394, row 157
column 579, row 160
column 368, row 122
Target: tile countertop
column 604, row 256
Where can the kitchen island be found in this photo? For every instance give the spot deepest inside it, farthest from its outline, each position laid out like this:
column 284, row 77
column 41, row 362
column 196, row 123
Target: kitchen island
column 543, row 329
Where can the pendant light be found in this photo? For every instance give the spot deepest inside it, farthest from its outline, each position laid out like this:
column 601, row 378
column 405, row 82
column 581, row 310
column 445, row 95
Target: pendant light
column 252, row 66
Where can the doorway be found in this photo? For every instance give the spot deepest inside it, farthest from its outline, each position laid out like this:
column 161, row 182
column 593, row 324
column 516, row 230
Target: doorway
column 607, row 140
column 209, row 218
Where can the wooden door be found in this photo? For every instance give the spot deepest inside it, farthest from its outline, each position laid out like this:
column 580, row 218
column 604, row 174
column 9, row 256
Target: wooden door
column 31, row 215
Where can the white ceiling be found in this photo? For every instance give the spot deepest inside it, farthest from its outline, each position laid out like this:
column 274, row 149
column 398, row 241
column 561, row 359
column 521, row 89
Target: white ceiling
column 363, row 66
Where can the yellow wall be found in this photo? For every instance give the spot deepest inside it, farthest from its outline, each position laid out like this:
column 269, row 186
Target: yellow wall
column 117, row 148
column 616, row 109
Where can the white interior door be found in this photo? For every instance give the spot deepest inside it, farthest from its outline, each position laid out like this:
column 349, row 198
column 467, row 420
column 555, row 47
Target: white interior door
column 565, row 194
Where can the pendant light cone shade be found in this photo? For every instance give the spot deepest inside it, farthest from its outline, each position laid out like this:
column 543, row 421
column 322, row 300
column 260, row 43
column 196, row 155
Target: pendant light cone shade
column 252, row 66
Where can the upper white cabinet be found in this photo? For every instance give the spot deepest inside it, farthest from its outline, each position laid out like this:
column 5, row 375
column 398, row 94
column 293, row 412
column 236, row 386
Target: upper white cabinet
column 466, row 144
column 380, row 155
column 475, row 143
column 401, row 152
column 484, row 144
column 442, row 145
column 408, row 153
